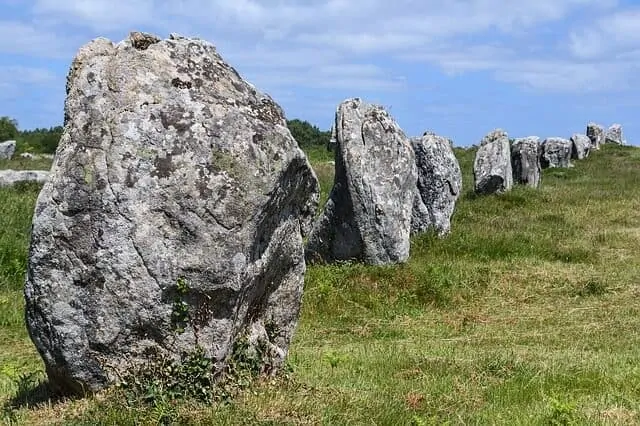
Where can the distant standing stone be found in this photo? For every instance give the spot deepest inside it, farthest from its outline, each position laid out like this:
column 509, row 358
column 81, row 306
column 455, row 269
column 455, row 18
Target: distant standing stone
column 492, row 170
column 439, row 184
column 7, row 149
column 614, row 134
column 525, row 161
column 580, row 146
column 368, row 215
column 556, row 152
column 596, row 134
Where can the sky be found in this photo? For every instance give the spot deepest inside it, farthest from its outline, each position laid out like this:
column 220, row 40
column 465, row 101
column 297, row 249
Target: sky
column 457, row 67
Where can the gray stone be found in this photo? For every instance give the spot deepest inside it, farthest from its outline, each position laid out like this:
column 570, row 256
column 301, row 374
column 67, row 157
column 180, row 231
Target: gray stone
column 12, row 177
column 525, row 161
column 7, row 148
column 27, row 156
column 331, row 145
column 596, row 134
column 368, row 215
column 173, row 218
column 556, row 152
column 492, row 171
column 614, row 135
column 580, row 146
column 439, row 184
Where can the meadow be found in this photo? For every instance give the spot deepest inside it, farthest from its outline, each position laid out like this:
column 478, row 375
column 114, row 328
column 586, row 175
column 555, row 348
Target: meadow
column 528, row 313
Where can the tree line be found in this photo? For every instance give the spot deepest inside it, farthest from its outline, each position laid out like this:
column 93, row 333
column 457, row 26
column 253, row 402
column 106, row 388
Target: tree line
column 45, row 141
column 40, row 140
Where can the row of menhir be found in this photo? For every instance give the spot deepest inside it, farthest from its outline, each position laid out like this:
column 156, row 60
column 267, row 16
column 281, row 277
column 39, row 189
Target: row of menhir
column 501, row 162
column 388, row 187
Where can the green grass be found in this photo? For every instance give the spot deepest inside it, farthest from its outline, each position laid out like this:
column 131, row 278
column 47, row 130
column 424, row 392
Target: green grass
column 528, row 313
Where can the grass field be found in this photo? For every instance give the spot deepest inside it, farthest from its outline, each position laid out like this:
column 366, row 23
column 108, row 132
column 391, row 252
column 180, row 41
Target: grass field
column 528, row 313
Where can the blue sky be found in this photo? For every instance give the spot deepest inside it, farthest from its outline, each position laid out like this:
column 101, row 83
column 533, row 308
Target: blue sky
column 457, row 67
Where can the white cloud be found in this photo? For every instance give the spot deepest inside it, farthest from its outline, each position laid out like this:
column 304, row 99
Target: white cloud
column 26, row 75
column 609, row 36
column 358, row 45
column 15, row 81
column 101, row 15
column 19, row 38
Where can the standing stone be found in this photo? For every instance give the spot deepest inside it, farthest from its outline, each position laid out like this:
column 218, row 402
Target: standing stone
column 525, row 161
column 439, row 184
column 614, row 135
column 7, row 149
column 492, row 173
column 368, row 215
column 173, row 217
column 596, row 134
column 556, row 152
column 580, row 146
column 331, row 145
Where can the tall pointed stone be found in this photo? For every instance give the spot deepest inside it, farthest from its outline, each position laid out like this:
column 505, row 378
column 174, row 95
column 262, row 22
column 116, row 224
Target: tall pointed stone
column 368, row 215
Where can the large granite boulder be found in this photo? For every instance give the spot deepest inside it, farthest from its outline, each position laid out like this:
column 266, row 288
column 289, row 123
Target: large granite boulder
column 492, row 172
column 556, row 152
column 439, row 184
column 173, row 219
column 614, row 135
column 596, row 134
column 12, row 177
column 580, row 146
column 368, row 215
column 525, row 161
column 7, row 148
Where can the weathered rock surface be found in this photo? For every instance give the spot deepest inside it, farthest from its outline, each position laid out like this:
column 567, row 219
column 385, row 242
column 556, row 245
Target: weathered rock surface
column 7, row 148
column 525, row 161
column 580, row 146
column 596, row 134
column 614, row 135
column 368, row 215
column 12, row 177
column 492, row 172
column 173, row 217
column 556, row 152
column 439, row 184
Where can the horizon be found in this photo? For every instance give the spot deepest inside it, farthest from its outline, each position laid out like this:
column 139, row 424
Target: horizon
column 459, row 69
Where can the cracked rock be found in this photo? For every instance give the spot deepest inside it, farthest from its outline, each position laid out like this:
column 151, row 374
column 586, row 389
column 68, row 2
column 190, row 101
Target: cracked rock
column 175, row 182
column 525, row 161
column 556, row 152
column 368, row 215
column 439, row 184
